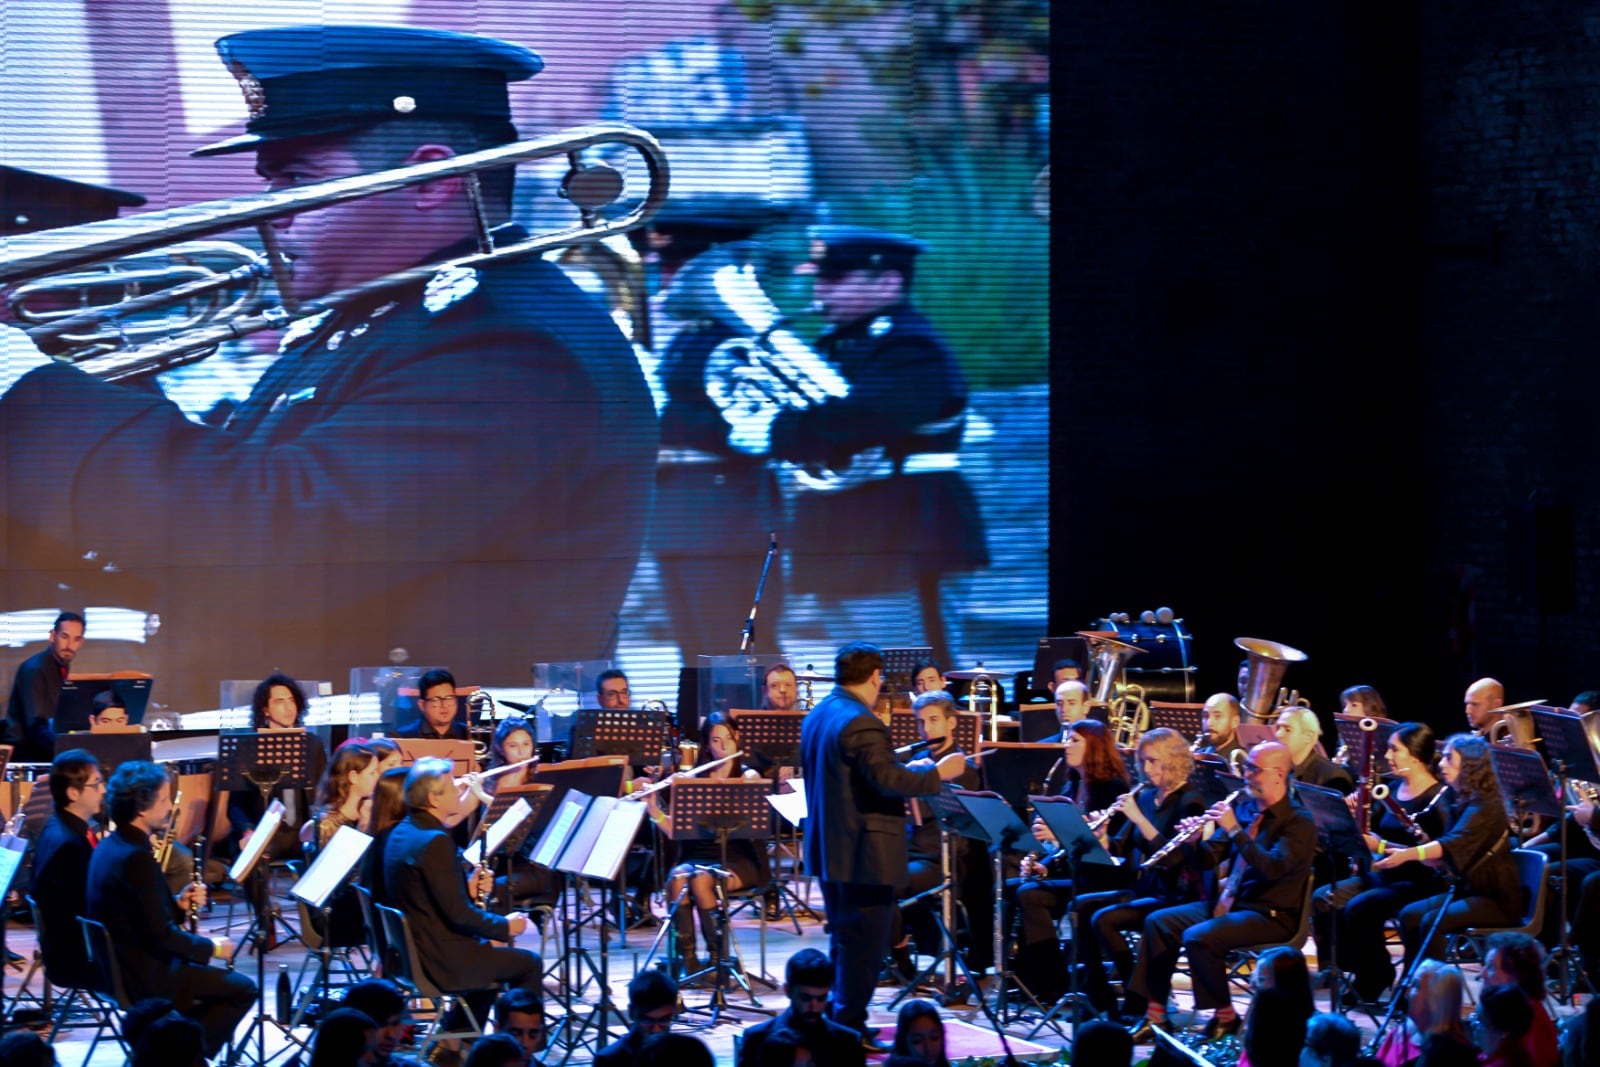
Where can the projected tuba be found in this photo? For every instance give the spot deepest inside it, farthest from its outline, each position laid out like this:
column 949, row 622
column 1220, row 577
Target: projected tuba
column 1269, row 661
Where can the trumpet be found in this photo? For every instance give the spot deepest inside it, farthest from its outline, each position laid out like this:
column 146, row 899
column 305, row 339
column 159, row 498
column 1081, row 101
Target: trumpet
column 588, row 187
column 1180, row 839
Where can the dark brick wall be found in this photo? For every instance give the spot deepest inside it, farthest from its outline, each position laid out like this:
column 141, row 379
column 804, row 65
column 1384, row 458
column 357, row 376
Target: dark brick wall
column 1325, row 320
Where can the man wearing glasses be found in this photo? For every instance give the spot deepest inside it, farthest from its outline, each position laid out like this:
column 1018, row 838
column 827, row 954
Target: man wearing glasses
column 61, row 865
column 652, row 1004
column 611, row 689
column 436, row 697
column 1261, row 851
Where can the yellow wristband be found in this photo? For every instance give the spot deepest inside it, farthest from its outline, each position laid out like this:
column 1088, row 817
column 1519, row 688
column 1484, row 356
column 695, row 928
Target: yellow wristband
column 1383, row 848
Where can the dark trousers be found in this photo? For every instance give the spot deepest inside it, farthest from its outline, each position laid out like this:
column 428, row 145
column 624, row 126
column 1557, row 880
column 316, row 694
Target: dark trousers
column 1586, row 925
column 860, row 920
column 216, row 999
column 1579, row 868
column 497, row 968
column 1109, row 917
column 1189, row 928
column 1347, row 919
column 974, row 913
column 1464, row 911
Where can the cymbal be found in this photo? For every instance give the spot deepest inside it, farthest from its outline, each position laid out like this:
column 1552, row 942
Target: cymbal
column 809, row 676
column 972, row 675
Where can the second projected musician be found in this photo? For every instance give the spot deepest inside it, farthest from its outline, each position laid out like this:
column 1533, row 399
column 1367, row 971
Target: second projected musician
column 379, row 487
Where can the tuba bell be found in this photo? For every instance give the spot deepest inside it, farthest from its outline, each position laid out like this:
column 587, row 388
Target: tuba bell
column 1269, row 661
column 1127, row 713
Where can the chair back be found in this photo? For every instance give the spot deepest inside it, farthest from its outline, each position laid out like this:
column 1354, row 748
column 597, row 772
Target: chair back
column 1304, row 932
column 403, row 953
column 103, row 962
column 377, row 944
column 1531, row 867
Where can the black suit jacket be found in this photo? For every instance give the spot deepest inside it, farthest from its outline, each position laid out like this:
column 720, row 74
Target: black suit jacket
column 621, row 1052
column 829, row 1042
column 420, row 730
column 855, row 826
column 1319, row 770
column 128, row 894
column 61, row 889
column 422, row 877
column 34, row 693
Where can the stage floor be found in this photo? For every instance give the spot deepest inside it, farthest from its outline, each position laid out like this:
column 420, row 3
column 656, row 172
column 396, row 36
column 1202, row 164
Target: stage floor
column 969, row 1032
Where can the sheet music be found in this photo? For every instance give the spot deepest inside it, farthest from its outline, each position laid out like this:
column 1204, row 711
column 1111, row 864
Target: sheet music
column 332, row 866
column 260, row 838
column 792, row 806
column 555, row 835
column 506, row 825
column 10, row 859
column 616, row 837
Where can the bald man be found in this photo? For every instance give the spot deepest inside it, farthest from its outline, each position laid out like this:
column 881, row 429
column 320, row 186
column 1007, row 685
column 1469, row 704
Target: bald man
column 1221, row 718
column 1482, row 698
column 1261, row 851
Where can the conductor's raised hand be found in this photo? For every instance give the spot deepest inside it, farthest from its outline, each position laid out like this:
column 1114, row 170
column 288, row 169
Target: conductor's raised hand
column 952, row 766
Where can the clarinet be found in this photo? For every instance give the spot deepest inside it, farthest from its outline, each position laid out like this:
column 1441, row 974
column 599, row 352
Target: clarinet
column 198, row 880
column 1179, row 839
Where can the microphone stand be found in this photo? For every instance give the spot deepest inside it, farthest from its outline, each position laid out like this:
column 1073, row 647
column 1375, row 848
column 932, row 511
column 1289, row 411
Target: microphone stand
column 747, row 642
column 1403, row 990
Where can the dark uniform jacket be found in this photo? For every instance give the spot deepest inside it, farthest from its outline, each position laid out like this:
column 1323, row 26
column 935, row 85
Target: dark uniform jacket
column 422, row 877
column 420, row 730
column 1278, row 859
column 128, row 894
column 1477, row 849
column 907, row 399
column 828, row 1042
column 1319, row 770
column 1163, row 880
column 34, row 693
column 623, row 1052
column 60, row 889
column 418, row 471
column 855, row 821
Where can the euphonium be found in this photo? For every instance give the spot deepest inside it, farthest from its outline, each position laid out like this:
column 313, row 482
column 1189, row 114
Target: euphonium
column 589, row 188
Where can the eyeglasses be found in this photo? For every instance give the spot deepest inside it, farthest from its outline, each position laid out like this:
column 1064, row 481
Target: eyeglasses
column 616, row 692
column 439, row 702
column 98, row 783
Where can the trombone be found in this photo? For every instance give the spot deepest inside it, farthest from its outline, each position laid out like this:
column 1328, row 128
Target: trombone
column 589, row 187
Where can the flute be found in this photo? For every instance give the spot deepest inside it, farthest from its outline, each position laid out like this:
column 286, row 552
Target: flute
column 1100, row 818
column 486, row 775
column 691, row 772
column 1180, row 839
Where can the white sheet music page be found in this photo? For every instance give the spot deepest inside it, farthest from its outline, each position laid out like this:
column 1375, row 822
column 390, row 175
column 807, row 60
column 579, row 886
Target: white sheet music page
column 792, row 806
column 332, row 866
column 260, row 838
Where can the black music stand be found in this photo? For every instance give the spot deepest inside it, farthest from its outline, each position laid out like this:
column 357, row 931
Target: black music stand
column 1015, row 770
column 1572, row 755
column 266, row 760
column 954, row 821
column 255, row 934
column 773, row 738
column 1188, row 719
column 329, row 872
column 1079, row 845
column 112, row 750
column 1340, row 836
column 721, row 810
column 1006, row 832
column 898, row 664
column 535, row 795
column 638, row 735
column 1213, row 781
column 588, row 838
column 1351, row 736
column 1524, row 784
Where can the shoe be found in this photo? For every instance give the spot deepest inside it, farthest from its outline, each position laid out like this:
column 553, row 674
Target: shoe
column 1217, row 1028
column 904, row 966
column 770, row 908
column 1145, row 1032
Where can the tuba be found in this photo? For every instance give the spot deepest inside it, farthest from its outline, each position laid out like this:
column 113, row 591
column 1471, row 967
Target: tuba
column 1126, row 711
column 1269, row 661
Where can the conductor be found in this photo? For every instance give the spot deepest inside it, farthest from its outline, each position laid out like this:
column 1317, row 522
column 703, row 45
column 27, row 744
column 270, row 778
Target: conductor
column 855, row 838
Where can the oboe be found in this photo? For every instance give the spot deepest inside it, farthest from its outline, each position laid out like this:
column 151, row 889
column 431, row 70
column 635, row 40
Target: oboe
column 1186, row 835
column 194, row 884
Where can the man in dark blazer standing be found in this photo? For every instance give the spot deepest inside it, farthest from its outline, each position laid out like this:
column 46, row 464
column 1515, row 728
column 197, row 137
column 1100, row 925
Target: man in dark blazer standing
column 128, row 895
column 61, row 866
column 422, row 877
column 855, row 837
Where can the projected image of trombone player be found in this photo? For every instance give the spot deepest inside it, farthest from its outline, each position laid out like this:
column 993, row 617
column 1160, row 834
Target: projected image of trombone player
column 872, row 437
column 418, row 467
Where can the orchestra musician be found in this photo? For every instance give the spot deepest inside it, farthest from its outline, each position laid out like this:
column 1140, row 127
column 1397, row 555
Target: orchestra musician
column 438, row 703
column 109, row 714
column 780, row 691
column 127, row 894
column 1095, row 777
column 343, row 798
column 61, row 865
column 611, row 689
column 1475, row 849
column 1363, row 701
column 1348, row 916
column 513, row 743
column 1152, row 815
column 927, row 678
column 422, row 877
column 1072, row 705
column 1222, row 714
column 388, row 807
column 1482, row 699
column 37, row 687
column 855, row 831
column 1298, row 729
column 973, row 882
column 691, row 887
column 1268, row 845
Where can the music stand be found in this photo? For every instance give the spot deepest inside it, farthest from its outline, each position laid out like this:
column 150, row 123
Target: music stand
column 773, row 736
column 329, row 872
column 1351, row 736
column 588, row 838
column 112, row 750
column 463, row 758
column 1524, row 784
column 1214, row 780
column 255, row 934
column 1079, row 845
column 509, row 820
column 1015, row 769
column 1188, row 719
column 1572, row 755
column 265, row 760
column 1252, row 734
column 721, row 810
column 638, row 735
column 898, row 664
column 1006, row 832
